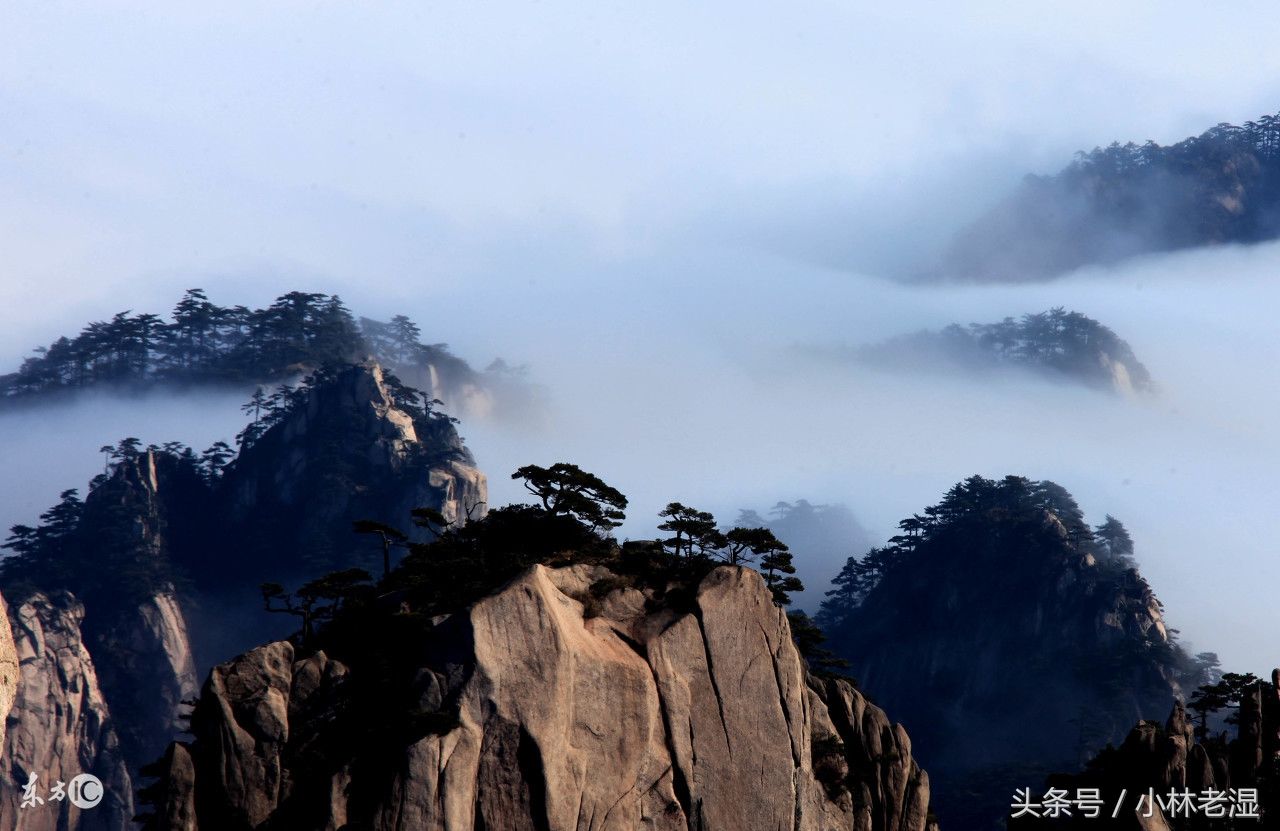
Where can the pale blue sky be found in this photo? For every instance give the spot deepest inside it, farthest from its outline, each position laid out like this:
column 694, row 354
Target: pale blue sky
column 352, row 143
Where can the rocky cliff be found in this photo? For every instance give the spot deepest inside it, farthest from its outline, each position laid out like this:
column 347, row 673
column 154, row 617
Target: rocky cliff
column 355, row 447
column 60, row 725
column 9, row 668
column 559, row 705
column 137, row 632
column 147, row 670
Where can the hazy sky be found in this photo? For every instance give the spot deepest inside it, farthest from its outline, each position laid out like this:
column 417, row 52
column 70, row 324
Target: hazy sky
column 658, row 206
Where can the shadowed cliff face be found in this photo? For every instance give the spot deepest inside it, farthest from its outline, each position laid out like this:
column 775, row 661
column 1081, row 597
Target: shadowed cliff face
column 560, row 710
column 1010, row 638
column 355, row 421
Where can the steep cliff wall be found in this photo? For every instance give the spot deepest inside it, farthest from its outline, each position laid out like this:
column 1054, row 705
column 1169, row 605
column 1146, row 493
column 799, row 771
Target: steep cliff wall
column 560, row 709
column 147, row 671
column 136, row 629
column 355, row 447
column 9, row 668
column 60, row 725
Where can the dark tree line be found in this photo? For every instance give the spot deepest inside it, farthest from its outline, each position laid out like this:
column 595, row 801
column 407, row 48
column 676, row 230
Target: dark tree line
column 1260, row 139
column 1056, row 341
column 202, row 342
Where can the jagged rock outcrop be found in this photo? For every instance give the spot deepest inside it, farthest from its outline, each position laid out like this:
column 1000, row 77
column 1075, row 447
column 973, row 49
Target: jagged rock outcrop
column 353, row 446
column 9, row 669
column 569, row 707
column 147, row 671
column 60, row 725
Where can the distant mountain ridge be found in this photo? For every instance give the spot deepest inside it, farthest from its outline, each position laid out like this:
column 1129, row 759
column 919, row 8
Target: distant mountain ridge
column 1222, row 186
column 206, row 345
column 1057, row 344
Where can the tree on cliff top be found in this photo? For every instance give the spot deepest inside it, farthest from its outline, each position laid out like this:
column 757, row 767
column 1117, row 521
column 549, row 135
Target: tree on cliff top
column 566, row 488
column 694, row 532
column 779, row 574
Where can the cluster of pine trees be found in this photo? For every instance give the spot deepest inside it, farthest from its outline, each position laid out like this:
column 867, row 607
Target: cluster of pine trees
column 1055, row 341
column 1260, row 139
column 978, row 510
column 203, row 343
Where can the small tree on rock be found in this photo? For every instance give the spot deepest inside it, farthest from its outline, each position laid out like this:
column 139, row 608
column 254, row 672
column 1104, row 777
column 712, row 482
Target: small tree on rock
column 694, row 532
column 777, row 568
column 745, row 545
column 388, row 535
column 566, row 488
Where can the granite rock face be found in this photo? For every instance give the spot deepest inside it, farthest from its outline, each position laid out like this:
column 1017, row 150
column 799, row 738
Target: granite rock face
column 147, row 671
column 569, row 711
column 60, row 725
column 9, row 667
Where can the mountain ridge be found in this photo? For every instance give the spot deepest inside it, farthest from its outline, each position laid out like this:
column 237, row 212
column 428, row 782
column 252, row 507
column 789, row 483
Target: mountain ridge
column 1113, row 203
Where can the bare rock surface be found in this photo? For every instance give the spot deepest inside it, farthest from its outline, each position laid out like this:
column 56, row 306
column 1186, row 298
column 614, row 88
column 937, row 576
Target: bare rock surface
column 9, row 670
column 572, row 713
column 60, row 725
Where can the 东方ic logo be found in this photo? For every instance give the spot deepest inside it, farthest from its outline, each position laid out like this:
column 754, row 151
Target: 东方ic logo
column 83, row 791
